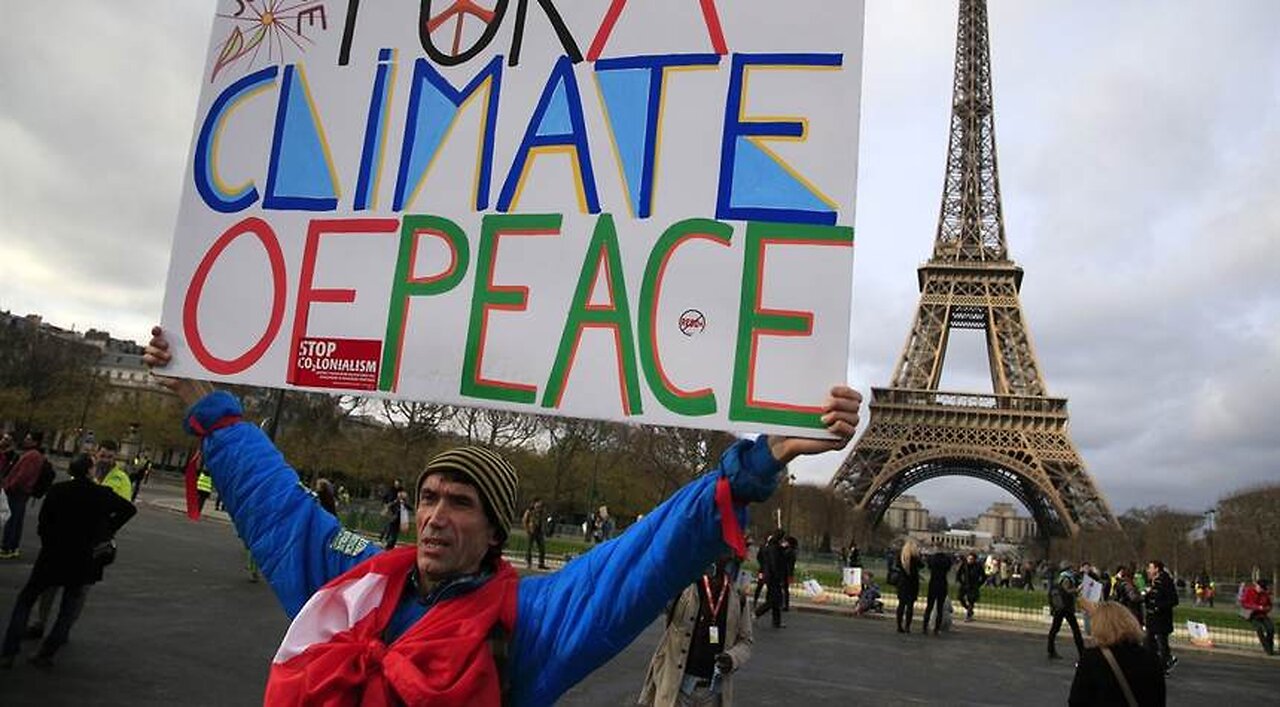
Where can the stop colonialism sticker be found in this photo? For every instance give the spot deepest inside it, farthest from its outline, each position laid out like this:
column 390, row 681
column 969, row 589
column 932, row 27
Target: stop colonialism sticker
column 350, row 364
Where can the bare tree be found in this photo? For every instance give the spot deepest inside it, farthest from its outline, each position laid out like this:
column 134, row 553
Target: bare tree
column 499, row 429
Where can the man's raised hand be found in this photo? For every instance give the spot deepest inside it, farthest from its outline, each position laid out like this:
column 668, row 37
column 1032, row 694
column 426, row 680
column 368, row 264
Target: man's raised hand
column 840, row 415
column 157, row 356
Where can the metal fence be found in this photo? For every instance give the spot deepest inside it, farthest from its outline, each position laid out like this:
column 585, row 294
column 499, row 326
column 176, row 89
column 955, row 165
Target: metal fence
column 995, row 611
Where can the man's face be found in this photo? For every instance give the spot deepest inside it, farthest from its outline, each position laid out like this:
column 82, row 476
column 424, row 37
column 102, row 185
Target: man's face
column 1152, row 570
column 454, row 534
column 28, row 442
column 104, row 458
column 6, row 443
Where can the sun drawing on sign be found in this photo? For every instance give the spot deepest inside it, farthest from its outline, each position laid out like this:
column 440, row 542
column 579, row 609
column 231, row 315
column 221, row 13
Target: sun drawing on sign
column 268, row 28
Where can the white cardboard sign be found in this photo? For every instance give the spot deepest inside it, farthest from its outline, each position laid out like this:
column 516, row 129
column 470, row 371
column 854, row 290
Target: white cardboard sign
column 637, row 211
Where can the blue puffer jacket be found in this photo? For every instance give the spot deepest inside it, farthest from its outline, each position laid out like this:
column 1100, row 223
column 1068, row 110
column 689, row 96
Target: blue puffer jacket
column 567, row 623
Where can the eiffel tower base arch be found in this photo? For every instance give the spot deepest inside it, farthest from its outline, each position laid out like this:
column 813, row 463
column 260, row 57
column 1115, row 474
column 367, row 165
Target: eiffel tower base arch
column 1017, row 443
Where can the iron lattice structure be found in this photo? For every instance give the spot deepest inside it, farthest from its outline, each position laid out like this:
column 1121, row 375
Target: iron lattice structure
column 1016, row 438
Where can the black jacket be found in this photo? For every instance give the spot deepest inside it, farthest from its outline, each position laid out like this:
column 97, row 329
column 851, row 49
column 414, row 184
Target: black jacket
column 75, row 516
column 970, row 577
column 939, row 568
column 773, row 562
column 1160, row 599
column 1095, row 683
column 909, row 584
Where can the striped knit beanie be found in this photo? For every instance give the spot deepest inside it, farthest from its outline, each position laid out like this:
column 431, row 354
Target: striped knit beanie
column 494, row 479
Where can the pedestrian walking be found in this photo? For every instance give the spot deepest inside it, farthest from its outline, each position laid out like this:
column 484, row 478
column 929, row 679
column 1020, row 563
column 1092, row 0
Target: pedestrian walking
column 397, row 519
column 790, row 553
column 139, row 475
column 1118, row 669
column 1062, row 601
column 447, row 620
column 907, row 566
column 939, row 563
column 1255, row 606
column 535, row 527
column 707, row 640
column 969, row 576
column 1160, row 598
column 77, row 521
column 774, row 566
column 19, row 485
column 1125, row 592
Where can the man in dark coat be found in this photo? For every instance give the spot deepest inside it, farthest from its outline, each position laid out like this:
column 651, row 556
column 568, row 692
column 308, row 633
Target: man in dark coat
column 1062, row 599
column 939, row 564
column 19, row 483
column 77, row 516
column 1160, row 599
column 969, row 576
column 774, row 566
column 790, row 552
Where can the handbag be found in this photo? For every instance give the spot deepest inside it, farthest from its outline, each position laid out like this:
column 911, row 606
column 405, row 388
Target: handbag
column 104, row 553
column 1115, row 669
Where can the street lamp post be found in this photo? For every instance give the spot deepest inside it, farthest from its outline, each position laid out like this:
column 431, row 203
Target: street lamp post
column 791, row 502
column 1210, row 521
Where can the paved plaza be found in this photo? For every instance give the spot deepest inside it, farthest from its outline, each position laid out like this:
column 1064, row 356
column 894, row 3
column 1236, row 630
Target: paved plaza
column 178, row 622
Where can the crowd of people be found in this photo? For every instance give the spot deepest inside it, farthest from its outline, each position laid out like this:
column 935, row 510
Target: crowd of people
column 460, row 625
column 445, row 618
column 77, row 524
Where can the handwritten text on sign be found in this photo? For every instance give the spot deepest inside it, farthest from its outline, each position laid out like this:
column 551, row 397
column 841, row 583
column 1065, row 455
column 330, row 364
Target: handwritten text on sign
column 623, row 210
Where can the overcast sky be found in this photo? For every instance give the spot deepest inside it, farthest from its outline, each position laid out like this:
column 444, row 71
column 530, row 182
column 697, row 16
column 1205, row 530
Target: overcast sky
column 1139, row 148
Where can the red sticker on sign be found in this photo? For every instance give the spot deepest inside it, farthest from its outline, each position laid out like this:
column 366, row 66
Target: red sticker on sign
column 351, row 364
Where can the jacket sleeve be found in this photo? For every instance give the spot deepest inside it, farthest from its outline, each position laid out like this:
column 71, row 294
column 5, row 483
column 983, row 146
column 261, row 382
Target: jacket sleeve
column 116, row 512
column 573, row 621
column 741, row 650
column 296, row 544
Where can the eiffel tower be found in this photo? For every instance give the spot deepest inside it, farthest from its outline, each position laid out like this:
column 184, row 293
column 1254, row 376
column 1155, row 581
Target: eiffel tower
column 1017, row 437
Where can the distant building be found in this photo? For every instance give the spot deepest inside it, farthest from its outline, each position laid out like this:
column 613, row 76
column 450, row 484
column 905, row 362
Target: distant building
column 1004, row 524
column 906, row 513
column 123, row 370
column 958, row 541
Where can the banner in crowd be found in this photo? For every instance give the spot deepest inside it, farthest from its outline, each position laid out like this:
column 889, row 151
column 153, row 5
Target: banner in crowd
column 637, row 211
column 852, row 580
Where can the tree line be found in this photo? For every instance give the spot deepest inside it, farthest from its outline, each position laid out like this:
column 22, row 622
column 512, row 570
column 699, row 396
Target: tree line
column 49, row 382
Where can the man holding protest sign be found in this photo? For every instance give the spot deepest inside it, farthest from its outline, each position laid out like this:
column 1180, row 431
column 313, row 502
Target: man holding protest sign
column 447, row 619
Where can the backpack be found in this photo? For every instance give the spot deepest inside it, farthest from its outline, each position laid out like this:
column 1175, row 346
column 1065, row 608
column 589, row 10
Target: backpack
column 44, row 481
column 1057, row 598
column 895, row 572
column 1061, row 593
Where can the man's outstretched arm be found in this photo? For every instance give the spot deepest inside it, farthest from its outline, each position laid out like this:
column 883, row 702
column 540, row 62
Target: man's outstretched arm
column 575, row 620
column 296, row 544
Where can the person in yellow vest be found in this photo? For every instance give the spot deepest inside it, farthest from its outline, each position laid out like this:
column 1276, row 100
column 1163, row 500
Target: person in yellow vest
column 204, row 487
column 109, row 472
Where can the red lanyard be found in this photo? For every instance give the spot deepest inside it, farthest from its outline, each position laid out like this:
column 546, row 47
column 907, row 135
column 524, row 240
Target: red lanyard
column 718, row 603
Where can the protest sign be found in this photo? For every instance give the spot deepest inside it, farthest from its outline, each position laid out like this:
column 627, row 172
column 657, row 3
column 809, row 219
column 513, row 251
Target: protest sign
column 637, row 211
column 852, row 580
column 1198, row 633
column 813, row 589
column 1090, row 589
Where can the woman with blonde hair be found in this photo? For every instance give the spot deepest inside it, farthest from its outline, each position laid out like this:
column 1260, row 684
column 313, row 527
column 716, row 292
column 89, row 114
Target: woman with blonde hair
column 1118, row 670
column 909, row 564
